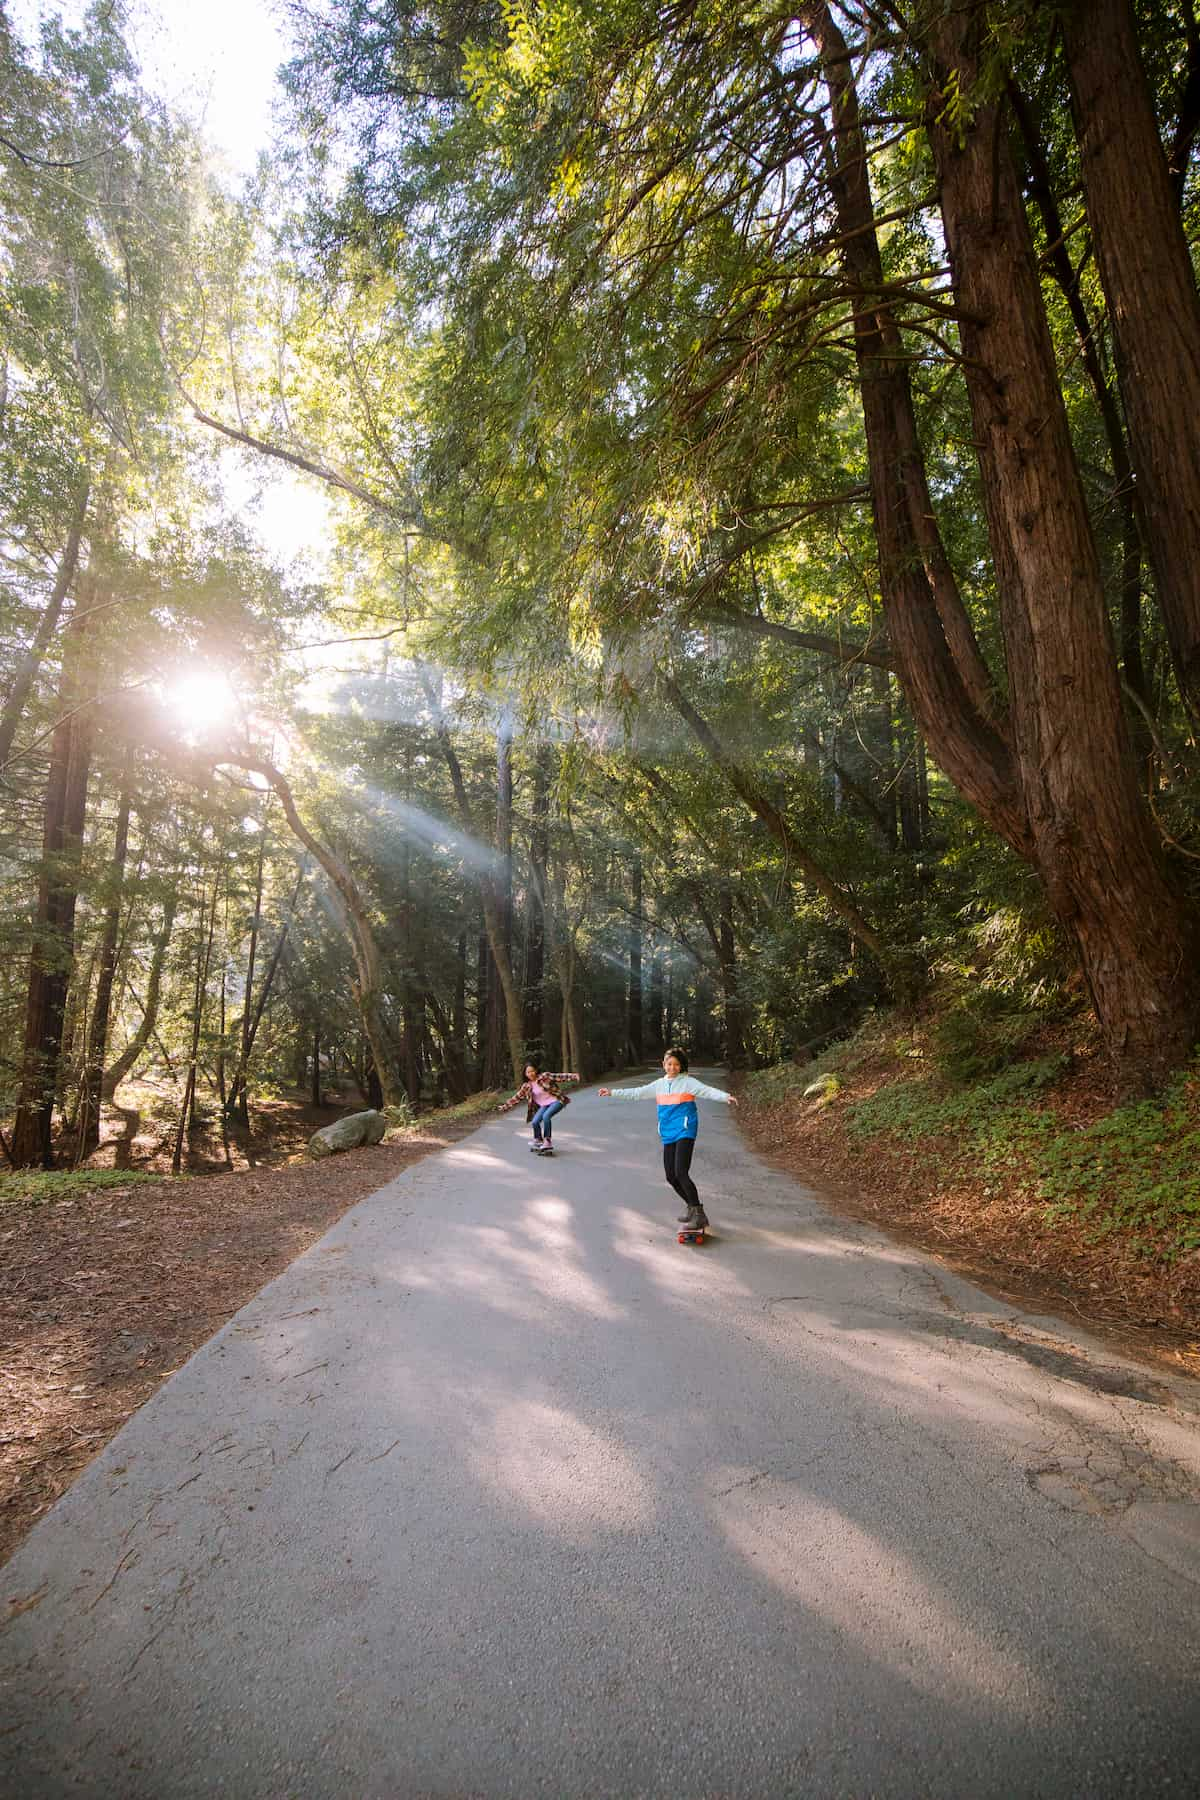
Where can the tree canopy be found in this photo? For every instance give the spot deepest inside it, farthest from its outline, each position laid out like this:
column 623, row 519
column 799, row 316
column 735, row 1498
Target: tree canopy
column 762, row 453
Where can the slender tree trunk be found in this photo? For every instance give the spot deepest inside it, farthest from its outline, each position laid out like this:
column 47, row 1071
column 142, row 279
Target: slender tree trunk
column 497, row 921
column 633, row 1025
column 21, row 686
column 356, row 921
column 237, row 1099
column 222, row 1097
column 501, row 905
column 577, row 1060
column 52, row 956
column 908, row 782
column 127, row 1060
column 1093, row 843
column 734, row 1006
column 1146, row 272
column 483, row 976
column 535, row 906
column 97, row 1041
column 804, row 864
column 657, row 1043
column 315, row 1094
column 453, row 1060
column 458, row 1016
column 187, row 1112
column 889, row 813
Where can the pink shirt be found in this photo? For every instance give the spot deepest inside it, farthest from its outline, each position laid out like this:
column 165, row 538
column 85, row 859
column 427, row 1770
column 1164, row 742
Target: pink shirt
column 542, row 1095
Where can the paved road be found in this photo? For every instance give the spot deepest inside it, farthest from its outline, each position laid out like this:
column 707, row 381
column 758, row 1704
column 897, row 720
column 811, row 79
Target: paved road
column 499, row 1491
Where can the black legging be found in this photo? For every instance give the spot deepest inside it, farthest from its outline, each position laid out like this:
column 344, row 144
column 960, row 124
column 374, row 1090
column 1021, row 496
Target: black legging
column 677, row 1160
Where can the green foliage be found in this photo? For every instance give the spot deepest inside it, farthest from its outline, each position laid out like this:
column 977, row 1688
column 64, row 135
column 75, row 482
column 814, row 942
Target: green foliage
column 42, row 1187
column 978, row 1037
column 476, row 1106
column 780, row 1081
column 1137, row 1170
column 926, row 1108
column 1133, row 1171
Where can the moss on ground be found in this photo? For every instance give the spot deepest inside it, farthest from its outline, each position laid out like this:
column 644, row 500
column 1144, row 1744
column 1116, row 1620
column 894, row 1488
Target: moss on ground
column 40, row 1187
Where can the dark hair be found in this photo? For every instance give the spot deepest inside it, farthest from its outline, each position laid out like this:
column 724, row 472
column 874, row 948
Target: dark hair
column 679, row 1056
column 531, row 1062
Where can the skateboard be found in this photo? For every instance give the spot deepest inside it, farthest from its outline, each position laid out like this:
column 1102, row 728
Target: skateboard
column 693, row 1237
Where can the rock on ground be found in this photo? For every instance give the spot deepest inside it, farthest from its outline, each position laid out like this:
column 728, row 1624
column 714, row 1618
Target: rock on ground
column 347, row 1134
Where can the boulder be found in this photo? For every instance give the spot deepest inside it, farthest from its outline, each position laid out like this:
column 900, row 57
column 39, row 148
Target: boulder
column 347, row 1134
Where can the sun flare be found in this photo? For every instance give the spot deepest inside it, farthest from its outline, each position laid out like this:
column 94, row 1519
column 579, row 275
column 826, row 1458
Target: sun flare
column 200, row 701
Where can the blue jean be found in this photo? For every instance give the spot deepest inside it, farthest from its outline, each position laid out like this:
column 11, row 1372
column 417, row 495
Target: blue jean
column 542, row 1117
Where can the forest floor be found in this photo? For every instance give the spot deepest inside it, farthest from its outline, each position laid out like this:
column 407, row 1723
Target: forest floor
column 1046, row 1195
column 111, row 1278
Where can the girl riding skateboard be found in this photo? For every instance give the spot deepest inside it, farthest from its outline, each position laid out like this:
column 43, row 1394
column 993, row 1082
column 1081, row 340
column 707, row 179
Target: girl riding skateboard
column 543, row 1100
column 677, row 1093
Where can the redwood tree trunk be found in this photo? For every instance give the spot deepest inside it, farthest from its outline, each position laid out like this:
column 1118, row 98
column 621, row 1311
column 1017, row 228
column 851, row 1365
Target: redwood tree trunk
column 1092, row 838
column 1146, row 272
column 940, row 666
column 53, row 950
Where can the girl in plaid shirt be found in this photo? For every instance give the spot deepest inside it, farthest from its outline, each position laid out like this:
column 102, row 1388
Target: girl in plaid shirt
column 543, row 1100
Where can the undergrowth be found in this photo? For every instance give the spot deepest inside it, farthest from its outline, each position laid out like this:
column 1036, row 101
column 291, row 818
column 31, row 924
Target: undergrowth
column 41, row 1187
column 471, row 1107
column 1134, row 1171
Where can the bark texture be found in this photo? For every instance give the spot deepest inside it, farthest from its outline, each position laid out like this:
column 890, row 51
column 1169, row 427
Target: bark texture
column 52, row 954
column 1154, row 309
column 1092, row 838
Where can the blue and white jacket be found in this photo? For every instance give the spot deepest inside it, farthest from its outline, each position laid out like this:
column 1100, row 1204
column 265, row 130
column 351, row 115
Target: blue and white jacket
column 677, row 1096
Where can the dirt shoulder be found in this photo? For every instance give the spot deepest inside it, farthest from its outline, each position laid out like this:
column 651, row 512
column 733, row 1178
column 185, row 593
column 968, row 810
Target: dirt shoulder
column 105, row 1294
column 930, row 1192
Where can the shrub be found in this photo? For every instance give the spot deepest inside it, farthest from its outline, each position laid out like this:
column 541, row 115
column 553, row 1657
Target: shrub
column 979, row 1036
column 399, row 1115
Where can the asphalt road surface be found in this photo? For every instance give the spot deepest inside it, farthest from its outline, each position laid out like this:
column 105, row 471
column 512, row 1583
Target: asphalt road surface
column 500, row 1491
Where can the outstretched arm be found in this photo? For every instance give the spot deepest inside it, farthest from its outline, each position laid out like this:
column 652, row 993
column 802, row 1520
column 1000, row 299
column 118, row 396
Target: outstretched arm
column 702, row 1091
column 630, row 1093
column 522, row 1093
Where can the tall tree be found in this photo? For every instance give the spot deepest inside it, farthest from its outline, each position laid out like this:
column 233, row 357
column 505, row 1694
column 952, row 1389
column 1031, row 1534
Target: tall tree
column 1146, row 271
column 51, row 958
